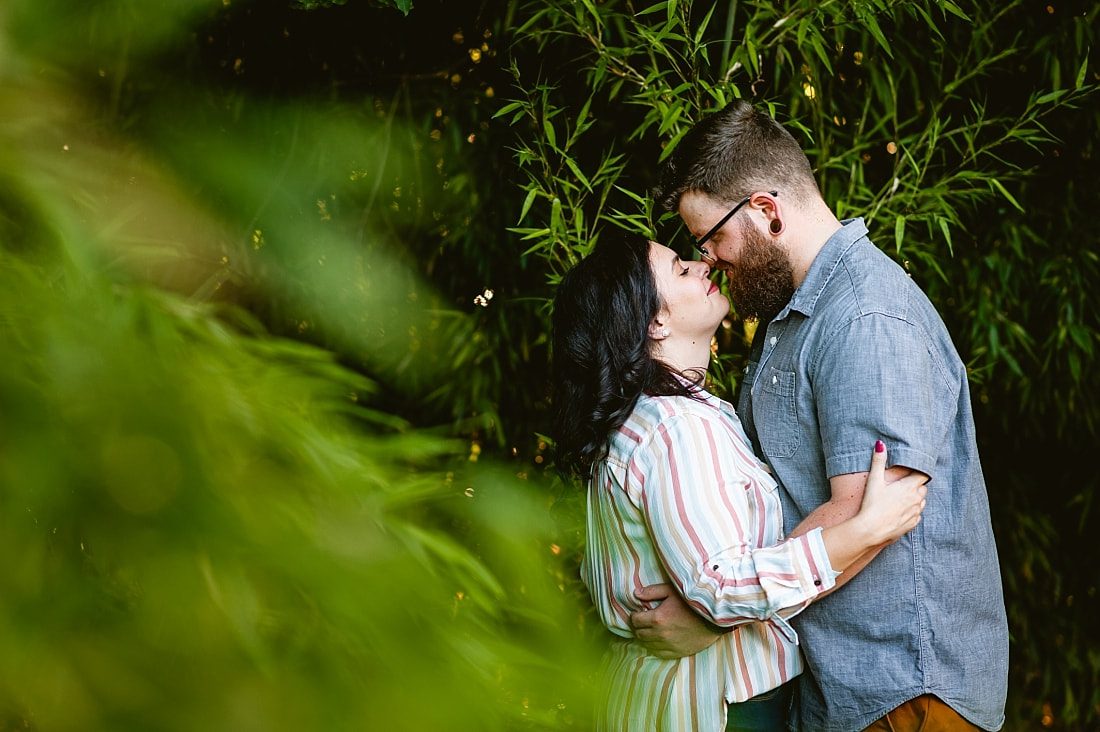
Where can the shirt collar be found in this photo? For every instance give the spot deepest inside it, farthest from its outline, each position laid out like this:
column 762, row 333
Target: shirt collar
column 824, row 264
column 700, row 392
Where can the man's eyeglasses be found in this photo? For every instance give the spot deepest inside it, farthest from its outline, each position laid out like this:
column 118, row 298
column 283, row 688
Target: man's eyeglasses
column 714, row 229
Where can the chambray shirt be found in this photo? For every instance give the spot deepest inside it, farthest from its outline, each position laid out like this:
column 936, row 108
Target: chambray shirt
column 857, row 355
column 681, row 498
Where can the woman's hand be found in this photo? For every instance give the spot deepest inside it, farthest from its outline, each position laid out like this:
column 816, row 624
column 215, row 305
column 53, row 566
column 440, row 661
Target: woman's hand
column 890, row 510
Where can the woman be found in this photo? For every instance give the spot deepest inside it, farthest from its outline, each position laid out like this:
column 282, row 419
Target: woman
column 676, row 495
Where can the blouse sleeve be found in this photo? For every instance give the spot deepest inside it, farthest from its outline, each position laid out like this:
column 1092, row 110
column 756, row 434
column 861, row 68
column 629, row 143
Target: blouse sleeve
column 696, row 495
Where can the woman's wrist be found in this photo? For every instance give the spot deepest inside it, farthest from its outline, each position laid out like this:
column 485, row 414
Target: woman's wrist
column 864, row 531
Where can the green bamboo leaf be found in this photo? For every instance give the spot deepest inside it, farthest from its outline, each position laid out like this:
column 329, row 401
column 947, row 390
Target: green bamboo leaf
column 506, row 109
column 1080, row 80
column 535, row 247
column 899, row 231
column 993, row 182
column 822, row 52
column 872, row 26
column 527, row 203
column 955, row 10
column 528, row 233
column 551, row 136
column 651, row 9
column 751, row 59
column 703, row 25
column 591, row 8
column 557, row 220
column 1082, row 337
column 946, row 230
column 923, row 12
column 1050, row 97
column 577, row 172
column 631, row 194
column 672, row 144
column 670, row 119
column 583, row 122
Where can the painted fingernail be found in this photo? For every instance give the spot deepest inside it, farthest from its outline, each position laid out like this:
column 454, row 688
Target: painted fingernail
column 879, row 446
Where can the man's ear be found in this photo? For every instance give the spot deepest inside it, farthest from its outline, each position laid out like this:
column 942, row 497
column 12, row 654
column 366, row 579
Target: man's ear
column 769, row 205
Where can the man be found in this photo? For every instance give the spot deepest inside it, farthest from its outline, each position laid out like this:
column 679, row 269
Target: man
column 920, row 636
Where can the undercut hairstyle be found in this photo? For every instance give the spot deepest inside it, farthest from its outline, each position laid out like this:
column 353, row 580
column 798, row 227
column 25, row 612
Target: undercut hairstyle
column 602, row 354
column 734, row 153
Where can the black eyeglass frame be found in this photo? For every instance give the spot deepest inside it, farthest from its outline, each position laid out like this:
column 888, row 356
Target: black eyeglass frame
column 698, row 243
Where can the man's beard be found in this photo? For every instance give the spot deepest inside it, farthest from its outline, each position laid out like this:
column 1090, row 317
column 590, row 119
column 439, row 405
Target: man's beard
column 761, row 281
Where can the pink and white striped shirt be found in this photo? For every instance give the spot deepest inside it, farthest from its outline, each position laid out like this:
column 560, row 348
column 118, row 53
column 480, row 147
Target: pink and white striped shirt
column 681, row 498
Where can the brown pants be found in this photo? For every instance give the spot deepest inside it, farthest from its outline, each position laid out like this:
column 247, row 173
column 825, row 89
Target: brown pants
column 923, row 714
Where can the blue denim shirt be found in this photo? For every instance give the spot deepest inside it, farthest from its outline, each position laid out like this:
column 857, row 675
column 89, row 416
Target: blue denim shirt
column 857, row 355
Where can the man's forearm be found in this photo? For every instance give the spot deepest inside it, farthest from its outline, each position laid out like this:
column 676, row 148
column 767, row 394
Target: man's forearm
column 828, row 514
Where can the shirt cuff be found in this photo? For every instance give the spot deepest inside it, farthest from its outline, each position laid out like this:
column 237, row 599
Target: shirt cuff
column 818, row 570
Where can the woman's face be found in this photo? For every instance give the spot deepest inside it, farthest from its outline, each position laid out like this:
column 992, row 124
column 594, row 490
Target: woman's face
column 694, row 306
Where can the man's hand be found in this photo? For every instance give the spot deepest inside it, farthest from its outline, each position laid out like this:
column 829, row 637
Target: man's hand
column 672, row 629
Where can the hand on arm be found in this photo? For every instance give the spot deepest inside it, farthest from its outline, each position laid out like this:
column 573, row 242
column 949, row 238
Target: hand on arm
column 867, row 512
column 882, row 362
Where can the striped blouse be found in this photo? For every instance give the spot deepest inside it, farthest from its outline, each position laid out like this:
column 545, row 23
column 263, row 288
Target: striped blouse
column 681, row 498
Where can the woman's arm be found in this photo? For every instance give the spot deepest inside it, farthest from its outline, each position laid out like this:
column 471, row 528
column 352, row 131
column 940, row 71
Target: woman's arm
column 887, row 511
column 708, row 520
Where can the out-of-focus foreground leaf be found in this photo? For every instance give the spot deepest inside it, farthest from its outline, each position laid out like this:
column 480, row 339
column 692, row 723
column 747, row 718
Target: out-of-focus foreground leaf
column 205, row 526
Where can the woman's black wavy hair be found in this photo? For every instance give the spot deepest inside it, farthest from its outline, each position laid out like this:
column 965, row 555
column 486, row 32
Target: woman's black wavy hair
column 602, row 358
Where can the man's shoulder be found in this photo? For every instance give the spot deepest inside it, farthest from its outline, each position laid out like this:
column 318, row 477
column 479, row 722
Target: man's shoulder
column 872, row 272
column 866, row 281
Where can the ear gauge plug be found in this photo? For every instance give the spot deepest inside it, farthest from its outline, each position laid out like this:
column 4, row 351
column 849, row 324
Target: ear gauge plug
column 776, row 226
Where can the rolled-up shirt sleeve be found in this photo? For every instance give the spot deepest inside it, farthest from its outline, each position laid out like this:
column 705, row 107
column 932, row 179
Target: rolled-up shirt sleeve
column 715, row 526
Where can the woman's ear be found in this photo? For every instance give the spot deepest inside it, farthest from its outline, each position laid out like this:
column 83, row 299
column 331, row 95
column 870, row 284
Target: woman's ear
column 657, row 330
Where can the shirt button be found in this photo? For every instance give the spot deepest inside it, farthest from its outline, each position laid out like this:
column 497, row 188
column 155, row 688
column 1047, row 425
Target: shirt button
column 775, row 379
column 817, row 582
column 774, row 340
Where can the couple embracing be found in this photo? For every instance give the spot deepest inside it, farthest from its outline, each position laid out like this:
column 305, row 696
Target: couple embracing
column 821, row 558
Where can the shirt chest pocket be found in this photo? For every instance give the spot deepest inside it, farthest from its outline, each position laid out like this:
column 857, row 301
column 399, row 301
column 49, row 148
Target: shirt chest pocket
column 776, row 414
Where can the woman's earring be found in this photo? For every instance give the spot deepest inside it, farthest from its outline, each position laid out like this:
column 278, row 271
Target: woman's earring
column 776, row 226
column 665, row 332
